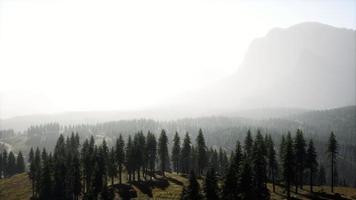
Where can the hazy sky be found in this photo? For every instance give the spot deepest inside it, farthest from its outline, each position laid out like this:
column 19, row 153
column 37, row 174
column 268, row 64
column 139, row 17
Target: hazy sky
column 76, row 55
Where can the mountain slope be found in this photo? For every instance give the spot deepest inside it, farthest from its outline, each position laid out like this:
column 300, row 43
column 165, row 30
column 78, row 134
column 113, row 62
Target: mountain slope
column 308, row 65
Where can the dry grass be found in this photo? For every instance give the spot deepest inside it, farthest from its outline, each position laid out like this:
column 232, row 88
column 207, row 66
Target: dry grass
column 18, row 187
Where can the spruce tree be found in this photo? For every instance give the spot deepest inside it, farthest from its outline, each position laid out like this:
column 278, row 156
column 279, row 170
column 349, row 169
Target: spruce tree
column 5, row 163
column 271, row 161
column 288, row 163
column 260, row 167
column 300, row 156
column 46, row 190
column 186, row 154
column 1, row 165
column 31, row 172
column 20, row 163
column 312, row 163
column 76, row 173
column 176, row 153
column 163, row 151
column 201, row 152
column 245, row 182
column 11, row 164
column 112, row 167
column 332, row 150
column 210, row 185
column 151, row 152
column 193, row 189
column 120, row 155
column 248, row 144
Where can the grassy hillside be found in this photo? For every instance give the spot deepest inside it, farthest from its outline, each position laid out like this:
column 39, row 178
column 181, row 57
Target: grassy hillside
column 18, row 188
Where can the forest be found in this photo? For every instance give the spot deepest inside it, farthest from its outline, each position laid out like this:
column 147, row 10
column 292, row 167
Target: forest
column 95, row 170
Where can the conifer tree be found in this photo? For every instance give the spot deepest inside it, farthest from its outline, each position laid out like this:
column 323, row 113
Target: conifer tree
column 176, row 153
column 77, row 184
column 1, row 165
column 332, row 150
column 248, row 144
column 129, row 158
column 31, row 173
column 186, row 154
column 271, row 161
column 46, row 179
column 5, row 163
column 201, row 152
column 112, row 169
column 288, row 163
column 11, row 164
column 163, row 151
column 260, row 167
column 300, row 156
column 120, row 155
column 20, row 163
column 210, row 185
column 245, row 182
column 151, row 152
column 312, row 163
column 193, row 189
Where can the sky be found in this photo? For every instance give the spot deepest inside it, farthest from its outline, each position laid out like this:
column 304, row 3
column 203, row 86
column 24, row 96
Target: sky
column 87, row 55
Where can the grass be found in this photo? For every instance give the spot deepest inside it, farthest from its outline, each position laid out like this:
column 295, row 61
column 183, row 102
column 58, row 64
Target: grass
column 18, row 187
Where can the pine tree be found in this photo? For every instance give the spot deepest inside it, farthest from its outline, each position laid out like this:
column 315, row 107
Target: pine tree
column 312, row 163
column 163, row 151
column 201, row 150
column 288, row 163
column 332, row 150
column 245, row 182
column 46, row 179
column 186, row 155
column 248, row 144
column 193, row 189
column 5, row 163
column 300, row 156
column 271, row 161
column 112, row 166
column 151, row 152
column 77, row 184
column 210, row 185
column 120, row 155
column 260, row 167
column 176, row 153
column 1, row 165
column 31, row 173
column 20, row 163
column 129, row 158
column 11, row 164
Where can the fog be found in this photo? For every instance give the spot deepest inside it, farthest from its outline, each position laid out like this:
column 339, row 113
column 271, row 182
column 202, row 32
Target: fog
column 187, row 58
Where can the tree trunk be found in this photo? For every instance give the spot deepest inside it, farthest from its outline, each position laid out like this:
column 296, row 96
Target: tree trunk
column 273, row 185
column 311, row 180
column 332, row 173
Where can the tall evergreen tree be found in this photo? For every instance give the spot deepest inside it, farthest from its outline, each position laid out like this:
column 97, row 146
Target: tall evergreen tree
column 112, row 165
column 176, row 153
column 210, row 185
column 11, row 164
column 312, row 163
column 300, row 156
column 151, row 152
column 76, row 173
column 46, row 190
column 120, row 155
column 271, row 161
column 163, row 151
column 288, row 163
column 248, row 144
column 186, row 154
column 5, row 163
column 260, row 167
column 321, row 175
column 245, row 182
column 1, row 165
column 193, row 189
column 202, row 154
column 332, row 150
column 20, row 163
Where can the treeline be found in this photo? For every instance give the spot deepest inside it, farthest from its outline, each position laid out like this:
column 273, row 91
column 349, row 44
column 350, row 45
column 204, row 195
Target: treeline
column 10, row 164
column 87, row 170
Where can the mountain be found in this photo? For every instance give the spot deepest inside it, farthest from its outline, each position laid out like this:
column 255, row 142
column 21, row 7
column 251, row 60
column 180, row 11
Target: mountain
column 308, row 65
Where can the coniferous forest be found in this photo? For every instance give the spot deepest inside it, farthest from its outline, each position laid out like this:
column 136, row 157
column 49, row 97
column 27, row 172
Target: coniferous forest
column 94, row 170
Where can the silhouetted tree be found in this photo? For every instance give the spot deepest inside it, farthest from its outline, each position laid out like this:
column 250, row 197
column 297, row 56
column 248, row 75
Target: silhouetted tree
column 163, row 151
column 210, row 185
column 311, row 162
column 176, row 153
column 186, row 154
column 201, row 152
column 192, row 191
column 120, row 155
column 332, row 150
column 300, row 156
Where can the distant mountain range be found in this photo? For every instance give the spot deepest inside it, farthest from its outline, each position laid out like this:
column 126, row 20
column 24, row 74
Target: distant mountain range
column 308, row 66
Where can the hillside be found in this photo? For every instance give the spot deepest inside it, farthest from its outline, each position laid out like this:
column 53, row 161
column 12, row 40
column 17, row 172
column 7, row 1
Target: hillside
column 19, row 188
